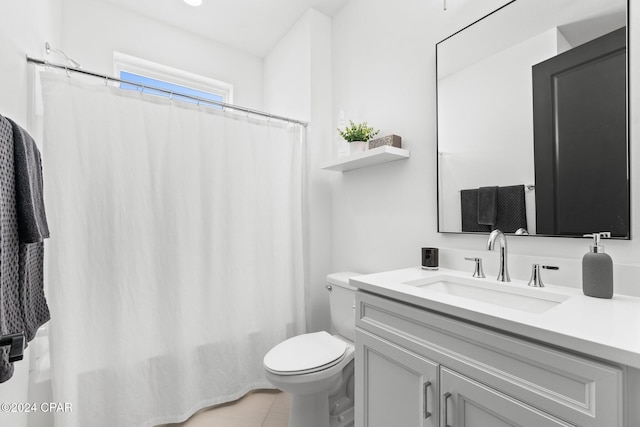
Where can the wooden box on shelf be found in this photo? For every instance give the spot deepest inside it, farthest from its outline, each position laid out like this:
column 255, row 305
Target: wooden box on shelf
column 392, row 140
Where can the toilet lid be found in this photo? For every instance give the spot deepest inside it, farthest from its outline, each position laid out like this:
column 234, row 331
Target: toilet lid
column 305, row 353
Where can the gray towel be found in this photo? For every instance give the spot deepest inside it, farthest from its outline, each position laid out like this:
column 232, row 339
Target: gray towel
column 487, row 205
column 10, row 316
column 32, row 220
column 23, row 307
column 512, row 210
column 469, row 211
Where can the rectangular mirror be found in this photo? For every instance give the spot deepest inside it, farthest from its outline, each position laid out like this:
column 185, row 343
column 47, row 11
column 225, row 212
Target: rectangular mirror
column 533, row 121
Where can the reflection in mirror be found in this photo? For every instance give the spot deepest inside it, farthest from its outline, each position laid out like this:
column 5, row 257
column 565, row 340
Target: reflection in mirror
column 520, row 156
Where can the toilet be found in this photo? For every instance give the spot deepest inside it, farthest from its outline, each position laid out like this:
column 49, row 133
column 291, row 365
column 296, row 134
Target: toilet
column 317, row 368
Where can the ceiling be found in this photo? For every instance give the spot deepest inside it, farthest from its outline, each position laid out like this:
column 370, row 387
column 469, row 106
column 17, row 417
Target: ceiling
column 252, row 26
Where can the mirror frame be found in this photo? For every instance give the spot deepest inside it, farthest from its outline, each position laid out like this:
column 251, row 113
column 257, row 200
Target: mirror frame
column 628, row 76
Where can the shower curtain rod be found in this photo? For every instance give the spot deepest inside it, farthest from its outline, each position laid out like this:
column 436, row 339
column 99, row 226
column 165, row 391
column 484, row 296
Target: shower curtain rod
column 106, row 77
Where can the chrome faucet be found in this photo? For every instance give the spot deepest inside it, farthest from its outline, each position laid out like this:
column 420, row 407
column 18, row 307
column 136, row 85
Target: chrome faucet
column 503, row 273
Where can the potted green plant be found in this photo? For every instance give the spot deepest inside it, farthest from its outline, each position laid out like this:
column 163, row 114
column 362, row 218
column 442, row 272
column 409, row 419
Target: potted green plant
column 357, row 135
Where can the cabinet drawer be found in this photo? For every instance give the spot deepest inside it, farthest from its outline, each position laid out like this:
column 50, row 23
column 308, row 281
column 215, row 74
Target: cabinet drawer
column 571, row 387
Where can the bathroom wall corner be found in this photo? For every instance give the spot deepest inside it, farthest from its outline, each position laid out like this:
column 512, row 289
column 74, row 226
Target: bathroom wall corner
column 297, row 82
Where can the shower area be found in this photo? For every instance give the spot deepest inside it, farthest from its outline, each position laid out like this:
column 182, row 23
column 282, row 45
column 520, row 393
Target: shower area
column 176, row 257
column 185, row 240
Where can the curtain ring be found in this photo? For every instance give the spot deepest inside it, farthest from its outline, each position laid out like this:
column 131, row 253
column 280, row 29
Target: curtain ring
column 67, row 71
column 170, row 95
column 106, row 80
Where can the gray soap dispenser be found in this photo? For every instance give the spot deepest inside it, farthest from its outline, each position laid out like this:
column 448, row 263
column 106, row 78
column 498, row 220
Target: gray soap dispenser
column 597, row 269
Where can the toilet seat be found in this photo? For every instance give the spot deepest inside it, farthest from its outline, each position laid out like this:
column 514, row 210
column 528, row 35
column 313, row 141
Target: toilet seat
column 304, row 354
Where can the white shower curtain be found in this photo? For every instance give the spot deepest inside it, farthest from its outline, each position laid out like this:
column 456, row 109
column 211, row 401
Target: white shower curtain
column 175, row 259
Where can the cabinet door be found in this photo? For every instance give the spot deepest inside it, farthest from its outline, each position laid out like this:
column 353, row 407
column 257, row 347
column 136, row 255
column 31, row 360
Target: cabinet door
column 467, row 403
column 394, row 387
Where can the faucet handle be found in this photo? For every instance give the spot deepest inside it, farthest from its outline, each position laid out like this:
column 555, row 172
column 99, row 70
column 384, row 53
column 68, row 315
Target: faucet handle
column 478, row 271
column 536, row 279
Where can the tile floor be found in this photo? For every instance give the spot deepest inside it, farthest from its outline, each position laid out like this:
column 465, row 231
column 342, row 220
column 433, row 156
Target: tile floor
column 263, row 408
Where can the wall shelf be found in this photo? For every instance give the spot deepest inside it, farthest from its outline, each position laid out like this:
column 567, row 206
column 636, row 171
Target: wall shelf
column 372, row 157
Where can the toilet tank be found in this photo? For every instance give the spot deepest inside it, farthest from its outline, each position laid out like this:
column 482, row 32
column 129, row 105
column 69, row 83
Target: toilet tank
column 342, row 300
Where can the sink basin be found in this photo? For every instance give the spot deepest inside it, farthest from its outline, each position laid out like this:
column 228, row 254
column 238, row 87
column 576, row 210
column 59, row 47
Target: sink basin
column 532, row 300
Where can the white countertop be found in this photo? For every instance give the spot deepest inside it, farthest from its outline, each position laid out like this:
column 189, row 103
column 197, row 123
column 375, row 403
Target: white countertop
column 604, row 328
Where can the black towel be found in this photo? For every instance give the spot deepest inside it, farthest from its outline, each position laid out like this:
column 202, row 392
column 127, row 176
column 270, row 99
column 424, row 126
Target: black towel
column 469, row 211
column 511, row 210
column 32, row 220
column 487, row 205
column 23, row 307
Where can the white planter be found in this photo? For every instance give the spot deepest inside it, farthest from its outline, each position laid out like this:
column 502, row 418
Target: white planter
column 357, row 146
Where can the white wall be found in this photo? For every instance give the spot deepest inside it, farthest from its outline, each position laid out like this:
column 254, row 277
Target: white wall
column 93, row 30
column 384, row 72
column 26, row 25
column 298, row 85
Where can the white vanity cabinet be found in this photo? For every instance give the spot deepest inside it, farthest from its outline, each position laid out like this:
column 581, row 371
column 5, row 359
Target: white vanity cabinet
column 416, row 367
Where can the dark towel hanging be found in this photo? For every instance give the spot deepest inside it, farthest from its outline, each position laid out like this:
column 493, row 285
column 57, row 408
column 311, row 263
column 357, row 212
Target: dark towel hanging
column 469, row 205
column 510, row 211
column 32, row 220
column 487, row 205
column 23, row 307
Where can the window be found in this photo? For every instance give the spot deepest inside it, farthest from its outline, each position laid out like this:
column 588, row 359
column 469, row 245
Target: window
column 150, row 74
column 173, row 89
